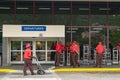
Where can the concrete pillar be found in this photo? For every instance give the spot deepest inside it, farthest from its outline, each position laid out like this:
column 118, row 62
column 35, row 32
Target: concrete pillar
column 4, row 52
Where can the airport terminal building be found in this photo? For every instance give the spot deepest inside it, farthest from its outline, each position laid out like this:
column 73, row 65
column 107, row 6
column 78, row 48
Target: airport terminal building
column 43, row 22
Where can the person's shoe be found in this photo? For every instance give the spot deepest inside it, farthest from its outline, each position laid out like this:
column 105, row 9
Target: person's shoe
column 74, row 66
column 95, row 66
column 33, row 74
column 25, row 74
column 78, row 65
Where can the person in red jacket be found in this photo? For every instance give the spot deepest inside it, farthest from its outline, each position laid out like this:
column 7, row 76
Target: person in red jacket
column 74, row 48
column 27, row 59
column 58, row 49
column 99, row 54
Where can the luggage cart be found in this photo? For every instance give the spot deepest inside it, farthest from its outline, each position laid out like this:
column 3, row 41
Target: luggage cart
column 104, row 57
column 108, row 58
column 86, row 54
column 40, row 70
column 62, row 59
column 115, row 56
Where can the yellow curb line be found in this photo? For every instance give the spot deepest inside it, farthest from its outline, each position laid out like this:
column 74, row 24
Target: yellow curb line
column 87, row 70
column 7, row 70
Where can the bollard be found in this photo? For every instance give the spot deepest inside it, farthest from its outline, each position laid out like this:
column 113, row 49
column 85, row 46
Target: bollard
column 86, row 54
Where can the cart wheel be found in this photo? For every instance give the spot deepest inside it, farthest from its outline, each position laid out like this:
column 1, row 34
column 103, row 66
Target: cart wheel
column 41, row 72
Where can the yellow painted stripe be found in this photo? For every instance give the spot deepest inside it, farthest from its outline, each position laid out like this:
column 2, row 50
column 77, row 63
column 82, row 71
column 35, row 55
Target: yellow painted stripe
column 7, row 70
column 87, row 70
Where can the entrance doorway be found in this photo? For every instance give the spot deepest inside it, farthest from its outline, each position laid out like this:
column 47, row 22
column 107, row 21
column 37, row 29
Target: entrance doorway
column 43, row 50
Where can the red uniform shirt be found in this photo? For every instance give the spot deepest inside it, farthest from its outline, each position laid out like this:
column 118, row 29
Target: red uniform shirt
column 74, row 48
column 118, row 47
column 58, row 48
column 27, row 53
column 100, row 48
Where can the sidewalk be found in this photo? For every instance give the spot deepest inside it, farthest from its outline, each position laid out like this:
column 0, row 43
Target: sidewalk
column 49, row 75
column 16, row 73
column 82, row 68
column 62, row 73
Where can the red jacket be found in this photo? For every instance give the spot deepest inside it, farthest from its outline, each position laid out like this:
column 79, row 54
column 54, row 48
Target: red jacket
column 27, row 53
column 58, row 48
column 118, row 47
column 100, row 49
column 74, row 48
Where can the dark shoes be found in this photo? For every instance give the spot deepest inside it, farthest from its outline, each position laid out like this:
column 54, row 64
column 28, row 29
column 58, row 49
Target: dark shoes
column 97, row 66
column 31, row 74
column 25, row 74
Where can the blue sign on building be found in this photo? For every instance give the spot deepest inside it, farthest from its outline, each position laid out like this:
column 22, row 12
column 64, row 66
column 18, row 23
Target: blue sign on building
column 33, row 28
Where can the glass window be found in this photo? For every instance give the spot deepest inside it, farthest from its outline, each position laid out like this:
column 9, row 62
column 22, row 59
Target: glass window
column 98, row 34
column 15, row 45
column 51, row 45
column 40, row 56
column 49, row 56
column 81, row 35
column 40, row 50
column 24, row 12
column 24, row 18
column 51, row 53
column 6, row 19
column 80, row 20
column 114, row 39
column 114, row 20
column 15, row 50
column 98, row 20
column 43, row 19
column 62, row 19
column 40, row 45
column 15, row 56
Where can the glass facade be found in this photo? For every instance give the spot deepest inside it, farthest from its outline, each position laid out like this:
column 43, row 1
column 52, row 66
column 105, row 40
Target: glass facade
column 86, row 22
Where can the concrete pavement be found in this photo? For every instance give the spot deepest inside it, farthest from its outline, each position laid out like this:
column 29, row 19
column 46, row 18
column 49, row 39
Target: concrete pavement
column 19, row 76
column 89, row 76
column 68, row 73
column 50, row 75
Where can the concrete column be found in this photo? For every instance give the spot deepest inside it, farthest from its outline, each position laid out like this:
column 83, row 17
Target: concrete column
column 4, row 52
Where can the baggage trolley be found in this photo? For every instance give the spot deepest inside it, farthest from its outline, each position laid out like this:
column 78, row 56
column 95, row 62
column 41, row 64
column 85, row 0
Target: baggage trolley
column 40, row 70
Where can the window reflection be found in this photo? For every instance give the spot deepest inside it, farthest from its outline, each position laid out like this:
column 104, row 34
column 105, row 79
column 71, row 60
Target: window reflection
column 40, row 56
column 15, row 56
column 40, row 45
column 15, row 45
column 51, row 53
